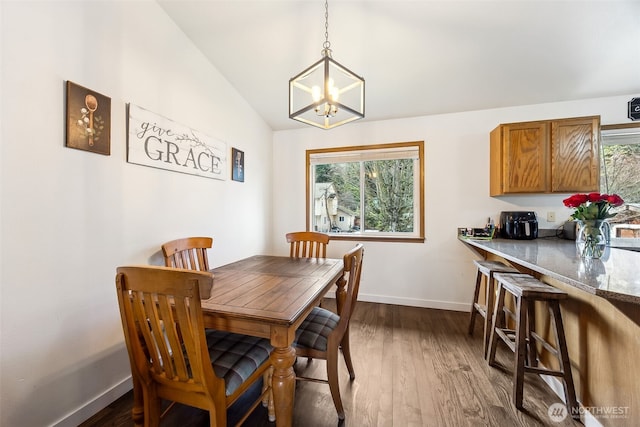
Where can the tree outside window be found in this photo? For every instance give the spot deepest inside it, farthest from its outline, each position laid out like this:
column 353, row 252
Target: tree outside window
column 372, row 191
column 620, row 174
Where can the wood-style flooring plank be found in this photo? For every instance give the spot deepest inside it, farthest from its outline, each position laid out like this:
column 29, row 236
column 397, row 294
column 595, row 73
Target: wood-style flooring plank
column 414, row 367
column 371, row 343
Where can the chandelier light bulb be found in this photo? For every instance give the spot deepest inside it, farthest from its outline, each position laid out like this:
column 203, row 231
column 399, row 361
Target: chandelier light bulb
column 315, row 93
column 334, row 93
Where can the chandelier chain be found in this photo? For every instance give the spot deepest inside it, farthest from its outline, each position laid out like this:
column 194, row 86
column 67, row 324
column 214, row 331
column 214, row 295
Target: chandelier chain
column 327, row 44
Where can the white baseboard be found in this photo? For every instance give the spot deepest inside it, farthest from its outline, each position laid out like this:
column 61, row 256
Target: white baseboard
column 96, row 405
column 410, row 302
column 556, row 386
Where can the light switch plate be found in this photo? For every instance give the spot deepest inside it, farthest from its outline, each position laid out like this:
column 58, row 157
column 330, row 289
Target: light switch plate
column 551, row 217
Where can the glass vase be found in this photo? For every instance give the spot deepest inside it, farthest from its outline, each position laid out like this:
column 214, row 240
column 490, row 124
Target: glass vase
column 592, row 238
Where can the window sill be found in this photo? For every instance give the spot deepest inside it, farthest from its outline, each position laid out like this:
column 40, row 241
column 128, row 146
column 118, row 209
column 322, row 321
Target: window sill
column 375, row 238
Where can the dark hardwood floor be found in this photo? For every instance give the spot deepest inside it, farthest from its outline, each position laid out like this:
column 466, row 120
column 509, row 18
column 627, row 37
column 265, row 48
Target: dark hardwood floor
column 414, row 366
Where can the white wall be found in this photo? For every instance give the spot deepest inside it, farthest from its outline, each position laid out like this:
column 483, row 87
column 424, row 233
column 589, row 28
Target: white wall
column 70, row 217
column 438, row 273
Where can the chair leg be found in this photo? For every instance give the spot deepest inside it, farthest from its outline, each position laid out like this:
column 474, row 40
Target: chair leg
column 490, row 297
column 213, row 419
column 217, row 416
column 271, row 408
column 152, row 406
column 565, row 362
column 476, row 293
column 532, row 355
column 497, row 321
column 267, row 400
column 266, row 382
column 346, row 353
column 334, row 384
column 521, row 351
column 138, row 409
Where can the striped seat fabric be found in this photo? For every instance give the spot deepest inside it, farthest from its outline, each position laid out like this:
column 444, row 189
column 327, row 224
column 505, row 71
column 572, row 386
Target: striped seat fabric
column 315, row 330
column 235, row 357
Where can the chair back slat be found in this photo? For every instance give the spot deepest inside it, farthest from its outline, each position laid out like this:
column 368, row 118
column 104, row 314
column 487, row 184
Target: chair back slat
column 176, row 339
column 164, row 328
column 189, row 253
column 307, row 244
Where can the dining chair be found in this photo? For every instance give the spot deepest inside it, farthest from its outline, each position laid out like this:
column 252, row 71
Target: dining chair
column 307, row 244
column 189, row 253
column 172, row 357
column 323, row 332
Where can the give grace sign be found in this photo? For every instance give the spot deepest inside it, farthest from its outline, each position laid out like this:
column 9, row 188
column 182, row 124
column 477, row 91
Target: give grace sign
column 154, row 140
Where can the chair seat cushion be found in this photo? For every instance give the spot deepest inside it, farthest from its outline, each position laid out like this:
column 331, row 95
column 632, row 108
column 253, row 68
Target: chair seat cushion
column 315, row 330
column 235, row 357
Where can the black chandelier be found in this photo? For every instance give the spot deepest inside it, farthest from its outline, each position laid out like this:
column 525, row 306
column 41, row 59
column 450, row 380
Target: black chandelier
column 326, row 94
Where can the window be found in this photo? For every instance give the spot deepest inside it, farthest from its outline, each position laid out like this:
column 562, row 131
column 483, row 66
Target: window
column 620, row 174
column 621, row 164
column 373, row 192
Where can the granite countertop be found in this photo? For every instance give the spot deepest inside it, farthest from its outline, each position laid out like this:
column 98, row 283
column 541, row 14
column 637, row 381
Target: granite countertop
column 615, row 276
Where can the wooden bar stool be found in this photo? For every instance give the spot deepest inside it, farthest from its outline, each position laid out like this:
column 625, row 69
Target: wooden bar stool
column 522, row 340
column 486, row 270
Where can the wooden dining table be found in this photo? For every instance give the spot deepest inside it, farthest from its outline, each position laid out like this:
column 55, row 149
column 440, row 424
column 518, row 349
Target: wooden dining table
column 269, row 297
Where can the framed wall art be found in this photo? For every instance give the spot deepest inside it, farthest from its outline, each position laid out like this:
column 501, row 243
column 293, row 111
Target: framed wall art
column 88, row 120
column 237, row 157
column 159, row 142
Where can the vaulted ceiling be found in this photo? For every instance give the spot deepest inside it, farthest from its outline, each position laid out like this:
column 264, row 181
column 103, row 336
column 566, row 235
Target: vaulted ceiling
column 421, row 57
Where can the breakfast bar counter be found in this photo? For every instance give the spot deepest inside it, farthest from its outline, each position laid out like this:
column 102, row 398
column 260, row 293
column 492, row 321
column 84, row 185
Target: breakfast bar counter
column 601, row 319
column 616, row 276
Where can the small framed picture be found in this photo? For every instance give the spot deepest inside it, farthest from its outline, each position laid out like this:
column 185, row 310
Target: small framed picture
column 88, row 120
column 237, row 171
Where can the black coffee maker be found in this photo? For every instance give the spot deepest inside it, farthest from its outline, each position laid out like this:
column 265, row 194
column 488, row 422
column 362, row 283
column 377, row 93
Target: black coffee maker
column 520, row 225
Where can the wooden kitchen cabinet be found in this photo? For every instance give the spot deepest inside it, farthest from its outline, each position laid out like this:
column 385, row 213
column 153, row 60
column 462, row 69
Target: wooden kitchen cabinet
column 546, row 156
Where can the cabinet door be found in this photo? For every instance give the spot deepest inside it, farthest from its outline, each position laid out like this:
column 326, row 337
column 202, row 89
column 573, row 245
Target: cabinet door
column 575, row 155
column 526, row 156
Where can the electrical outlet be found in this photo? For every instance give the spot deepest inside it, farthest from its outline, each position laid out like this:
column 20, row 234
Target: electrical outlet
column 551, row 217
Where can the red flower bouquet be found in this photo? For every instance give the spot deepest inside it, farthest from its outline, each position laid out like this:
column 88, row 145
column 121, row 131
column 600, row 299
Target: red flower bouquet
column 591, row 211
column 593, row 205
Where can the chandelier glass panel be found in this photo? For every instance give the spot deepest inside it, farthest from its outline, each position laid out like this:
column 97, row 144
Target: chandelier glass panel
column 326, row 94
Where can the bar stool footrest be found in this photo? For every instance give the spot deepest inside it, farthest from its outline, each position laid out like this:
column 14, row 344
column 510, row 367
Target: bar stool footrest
column 543, row 371
column 508, row 336
column 551, row 349
column 482, row 309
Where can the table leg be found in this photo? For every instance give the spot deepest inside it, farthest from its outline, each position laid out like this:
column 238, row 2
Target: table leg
column 283, row 384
